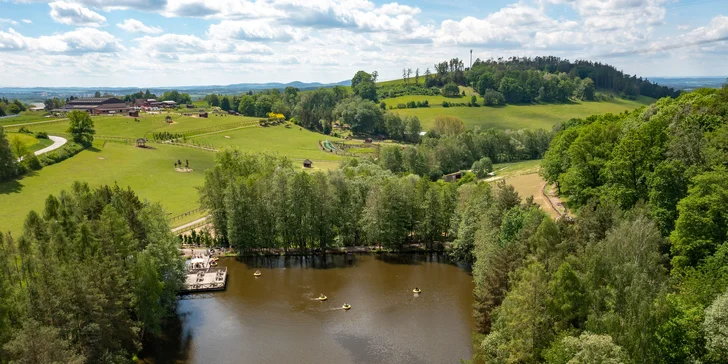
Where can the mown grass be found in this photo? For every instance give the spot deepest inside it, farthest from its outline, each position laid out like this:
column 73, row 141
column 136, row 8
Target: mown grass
column 30, row 142
column 26, row 117
column 293, row 142
column 515, row 117
column 127, row 127
column 150, row 172
column 517, row 168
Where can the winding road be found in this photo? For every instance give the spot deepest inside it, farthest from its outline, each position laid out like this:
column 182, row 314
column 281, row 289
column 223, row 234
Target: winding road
column 57, row 143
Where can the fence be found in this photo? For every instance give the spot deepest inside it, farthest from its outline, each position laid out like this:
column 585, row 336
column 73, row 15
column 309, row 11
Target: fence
column 185, row 214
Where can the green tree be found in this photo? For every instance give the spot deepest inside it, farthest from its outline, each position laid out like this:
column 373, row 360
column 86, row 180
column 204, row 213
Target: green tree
column 451, row 90
column 587, row 348
column 36, row 344
column 363, row 116
column 225, row 104
column 482, row 167
column 716, row 328
column 18, row 147
column 81, row 127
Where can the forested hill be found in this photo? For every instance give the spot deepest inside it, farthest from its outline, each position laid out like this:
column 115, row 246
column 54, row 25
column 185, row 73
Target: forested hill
column 641, row 274
column 605, row 76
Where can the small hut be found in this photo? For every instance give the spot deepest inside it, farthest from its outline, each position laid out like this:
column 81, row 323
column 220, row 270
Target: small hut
column 307, row 164
column 453, row 177
column 203, row 114
column 141, row 143
column 134, row 113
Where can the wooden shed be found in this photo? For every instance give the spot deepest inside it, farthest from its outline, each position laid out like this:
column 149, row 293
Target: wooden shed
column 307, row 164
column 453, row 177
column 141, row 142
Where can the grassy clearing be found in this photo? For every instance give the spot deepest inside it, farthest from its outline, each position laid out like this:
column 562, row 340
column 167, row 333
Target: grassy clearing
column 517, row 117
column 150, row 172
column 126, row 127
column 517, row 168
column 293, row 142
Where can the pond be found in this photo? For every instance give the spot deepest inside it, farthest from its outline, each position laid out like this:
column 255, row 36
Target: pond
column 277, row 318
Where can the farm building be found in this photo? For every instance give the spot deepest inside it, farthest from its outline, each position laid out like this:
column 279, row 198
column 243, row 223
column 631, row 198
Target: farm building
column 453, row 177
column 96, row 105
column 307, row 164
column 134, row 113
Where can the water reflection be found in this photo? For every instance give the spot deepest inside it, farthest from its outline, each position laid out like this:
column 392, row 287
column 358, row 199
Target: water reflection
column 277, row 318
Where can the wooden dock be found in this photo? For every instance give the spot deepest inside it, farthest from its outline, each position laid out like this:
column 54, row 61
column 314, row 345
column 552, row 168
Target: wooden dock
column 205, row 280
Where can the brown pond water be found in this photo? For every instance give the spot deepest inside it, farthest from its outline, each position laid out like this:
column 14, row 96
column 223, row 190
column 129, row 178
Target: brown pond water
column 276, row 318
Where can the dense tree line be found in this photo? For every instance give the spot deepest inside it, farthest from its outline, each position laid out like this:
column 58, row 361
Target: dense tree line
column 259, row 202
column 146, row 95
column 639, row 275
column 91, row 275
column 8, row 107
column 448, row 148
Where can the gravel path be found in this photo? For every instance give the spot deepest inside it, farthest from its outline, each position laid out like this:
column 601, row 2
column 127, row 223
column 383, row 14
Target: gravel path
column 57, row 143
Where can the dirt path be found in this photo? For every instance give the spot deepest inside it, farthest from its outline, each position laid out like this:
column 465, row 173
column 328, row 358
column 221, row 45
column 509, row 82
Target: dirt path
column 189, row 224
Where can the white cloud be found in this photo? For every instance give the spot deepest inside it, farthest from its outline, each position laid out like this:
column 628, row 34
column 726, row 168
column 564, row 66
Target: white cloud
column 74, row 14
column 191, row 44
column 397, row 9
column 135, row 26
column 255, row 30
column 27, row 21
column 8, row 21
column 79, row 41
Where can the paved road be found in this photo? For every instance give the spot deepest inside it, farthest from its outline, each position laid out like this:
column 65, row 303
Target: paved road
column 57, row 143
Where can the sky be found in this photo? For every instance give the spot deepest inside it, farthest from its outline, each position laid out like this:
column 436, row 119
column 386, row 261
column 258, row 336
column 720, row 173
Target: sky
column 145, row 43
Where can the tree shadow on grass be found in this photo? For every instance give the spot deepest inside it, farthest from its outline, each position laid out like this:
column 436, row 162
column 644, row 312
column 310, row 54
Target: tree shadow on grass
column 15, row 186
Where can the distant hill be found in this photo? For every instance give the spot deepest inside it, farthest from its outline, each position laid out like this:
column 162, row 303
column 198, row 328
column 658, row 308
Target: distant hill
column 690, row 83
column 38, row 94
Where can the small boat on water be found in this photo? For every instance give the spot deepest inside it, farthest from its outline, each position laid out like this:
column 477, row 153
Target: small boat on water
column 213, row 264
column 322, row 297
column 257, row 273
column 346, row 306
column 416, row 290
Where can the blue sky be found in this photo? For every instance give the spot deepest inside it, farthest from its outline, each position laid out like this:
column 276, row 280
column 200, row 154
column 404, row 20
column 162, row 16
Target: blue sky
column 202, row 42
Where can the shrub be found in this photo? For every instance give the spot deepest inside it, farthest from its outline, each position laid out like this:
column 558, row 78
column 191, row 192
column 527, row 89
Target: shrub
column 24, row 130
column 411, row 105
column 31, row 162
column 445, row 104
column 61, row 154
column 41, row 135
column 451, row 90
column 401, row 106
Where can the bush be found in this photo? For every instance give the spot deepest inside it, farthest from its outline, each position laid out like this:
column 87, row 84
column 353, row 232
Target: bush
column 31, row 162
column 451, row 90
column 445, row 104
column 61, row 154
column 401, row 106
column 411, row 105
column 24, row 130
column 482, row 167
column 41, row 135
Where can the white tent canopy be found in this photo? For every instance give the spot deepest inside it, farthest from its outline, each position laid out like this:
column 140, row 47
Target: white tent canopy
column 197, row 260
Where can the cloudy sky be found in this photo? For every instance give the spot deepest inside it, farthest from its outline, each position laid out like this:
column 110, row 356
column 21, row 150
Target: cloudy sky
column 203, row 42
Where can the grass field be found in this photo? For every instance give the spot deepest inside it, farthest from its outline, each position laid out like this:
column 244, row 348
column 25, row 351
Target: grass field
column 150, row 172
column 126, row 127
column 31, row 142
column 293, row 142
column 25, row 117
column 517, row 117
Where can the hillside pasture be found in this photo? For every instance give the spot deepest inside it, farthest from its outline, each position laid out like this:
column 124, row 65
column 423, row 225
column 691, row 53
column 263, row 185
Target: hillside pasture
column 126, row 127
column 292, row 142
column 516, row 117
column 30, row 142
column 149, row 171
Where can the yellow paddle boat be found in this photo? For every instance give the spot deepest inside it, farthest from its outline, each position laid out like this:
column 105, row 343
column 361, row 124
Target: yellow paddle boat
column 346, row 306
column 257, row 273
column 213, row 264
column 322, row 297
column 416, row 290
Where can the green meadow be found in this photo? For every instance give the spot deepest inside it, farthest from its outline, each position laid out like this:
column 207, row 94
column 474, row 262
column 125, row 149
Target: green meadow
column 515, row 117
column 145, row 124
column 30, row 142
column 292, row 141
column 150, row 172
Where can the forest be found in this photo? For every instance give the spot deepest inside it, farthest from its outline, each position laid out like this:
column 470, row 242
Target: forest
column 639, row 276
column 92, row 276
